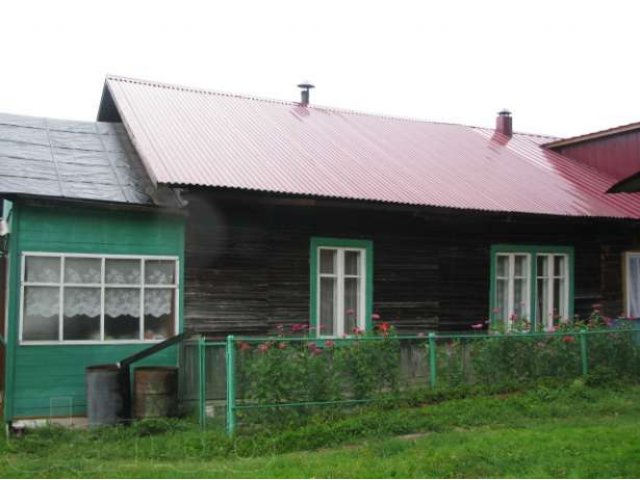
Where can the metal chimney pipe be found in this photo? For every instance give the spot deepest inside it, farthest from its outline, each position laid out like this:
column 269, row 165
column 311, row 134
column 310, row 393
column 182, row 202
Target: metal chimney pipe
column 304, row 92
column 504, row 123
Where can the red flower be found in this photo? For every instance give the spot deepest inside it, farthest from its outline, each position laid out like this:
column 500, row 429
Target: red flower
column 244, row 346
column 282, row 346
column 314, row 349
column 384, row 327
column 568, row 339
column 299, row 327
column 329, row 344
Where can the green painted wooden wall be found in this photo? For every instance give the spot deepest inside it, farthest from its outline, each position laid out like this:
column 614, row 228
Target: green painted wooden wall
column 49, row 380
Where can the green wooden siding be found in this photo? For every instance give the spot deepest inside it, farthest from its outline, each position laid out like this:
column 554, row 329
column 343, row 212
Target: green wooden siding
column 43, row 380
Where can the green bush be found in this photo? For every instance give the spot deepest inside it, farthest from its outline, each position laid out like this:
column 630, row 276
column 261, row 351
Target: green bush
column 285, row 371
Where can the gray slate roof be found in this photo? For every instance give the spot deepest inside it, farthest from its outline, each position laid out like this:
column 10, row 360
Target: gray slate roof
column 69, row 159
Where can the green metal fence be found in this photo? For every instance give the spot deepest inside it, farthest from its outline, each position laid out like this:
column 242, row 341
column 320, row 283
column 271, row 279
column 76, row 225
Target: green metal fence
column 245, row 381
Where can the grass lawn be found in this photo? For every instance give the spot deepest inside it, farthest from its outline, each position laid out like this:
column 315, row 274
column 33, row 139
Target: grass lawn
column 574, row 431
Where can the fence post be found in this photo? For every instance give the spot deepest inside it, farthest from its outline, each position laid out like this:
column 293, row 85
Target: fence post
column 202, row 384
column 432, row 359
column 583, row 352
column 231, row 385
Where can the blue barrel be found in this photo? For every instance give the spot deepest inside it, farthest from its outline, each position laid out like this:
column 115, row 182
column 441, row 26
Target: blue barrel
column 104, row 397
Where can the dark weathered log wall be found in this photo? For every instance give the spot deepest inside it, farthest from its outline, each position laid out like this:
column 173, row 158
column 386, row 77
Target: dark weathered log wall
column 247, row 264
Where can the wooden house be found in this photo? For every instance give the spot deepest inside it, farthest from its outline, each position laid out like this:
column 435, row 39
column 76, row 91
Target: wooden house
column 226, row 214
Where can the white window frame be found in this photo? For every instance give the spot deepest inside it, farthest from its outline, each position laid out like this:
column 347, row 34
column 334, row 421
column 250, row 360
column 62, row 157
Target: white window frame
column 61, row 285
column 547, row 319
column 340, row 276
column 627, row 281
column 511, row 277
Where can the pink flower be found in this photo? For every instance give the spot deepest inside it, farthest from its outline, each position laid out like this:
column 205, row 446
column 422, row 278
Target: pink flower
column 282, row 346
column 299, row 327
column 375, row 316
column 477, row 326
column 384, row 327
column 264, row 347
column 314, row 349
column 329, row 344
column 513, row 317
column 244, row 346
column 357, row 331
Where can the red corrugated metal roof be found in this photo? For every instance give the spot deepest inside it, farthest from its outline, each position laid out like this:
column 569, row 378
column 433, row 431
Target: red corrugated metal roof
column 197, row 137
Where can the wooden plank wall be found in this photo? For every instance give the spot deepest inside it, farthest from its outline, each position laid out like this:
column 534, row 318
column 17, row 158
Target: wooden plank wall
column 247, row 264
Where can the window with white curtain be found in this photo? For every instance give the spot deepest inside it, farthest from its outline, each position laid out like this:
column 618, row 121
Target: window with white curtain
column 91, row 298
column 632, row 284
column 531, row 283
column 341, row 291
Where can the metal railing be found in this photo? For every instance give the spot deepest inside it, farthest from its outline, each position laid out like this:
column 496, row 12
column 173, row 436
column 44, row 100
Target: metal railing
column 232, row 381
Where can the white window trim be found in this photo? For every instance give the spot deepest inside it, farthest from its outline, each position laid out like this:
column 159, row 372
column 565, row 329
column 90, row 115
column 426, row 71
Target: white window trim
column 340, row 276
column 103, row 257
column 627, row 280
column 548, row 319
column 511, row 277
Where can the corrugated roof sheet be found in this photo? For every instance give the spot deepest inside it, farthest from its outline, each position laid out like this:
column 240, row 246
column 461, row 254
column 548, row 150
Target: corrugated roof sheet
column 68, row 159
column 197, row 137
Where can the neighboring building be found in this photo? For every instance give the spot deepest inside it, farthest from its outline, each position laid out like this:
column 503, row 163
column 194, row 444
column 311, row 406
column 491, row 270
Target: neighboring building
column 231, row 214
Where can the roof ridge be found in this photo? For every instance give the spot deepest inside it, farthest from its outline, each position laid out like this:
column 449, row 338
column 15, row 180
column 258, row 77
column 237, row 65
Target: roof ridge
column 585, row 137
column 208, row 91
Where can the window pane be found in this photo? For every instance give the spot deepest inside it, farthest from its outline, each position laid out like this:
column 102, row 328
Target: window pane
column 543, row 266
column 558, row 298
column 351, row 304
column 42, row 269
column 520, row 266
column 328, row 260
column 82, row 270
column 633, row 287
column 41, row 313
column 327, row 305
column 122, row 271
column 559, row 265
column 351, row 263
column 543, row 308
column 159, row 272
column 121, row 313
column 502, row 266
column 520, row 298
column 502, row 305
column 159, row 313
column 81, row 314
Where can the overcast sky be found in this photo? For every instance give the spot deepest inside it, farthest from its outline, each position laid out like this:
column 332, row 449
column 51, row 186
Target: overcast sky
column 562, row 67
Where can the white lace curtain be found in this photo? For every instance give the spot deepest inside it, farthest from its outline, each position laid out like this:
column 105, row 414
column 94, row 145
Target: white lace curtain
column 44, row 301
